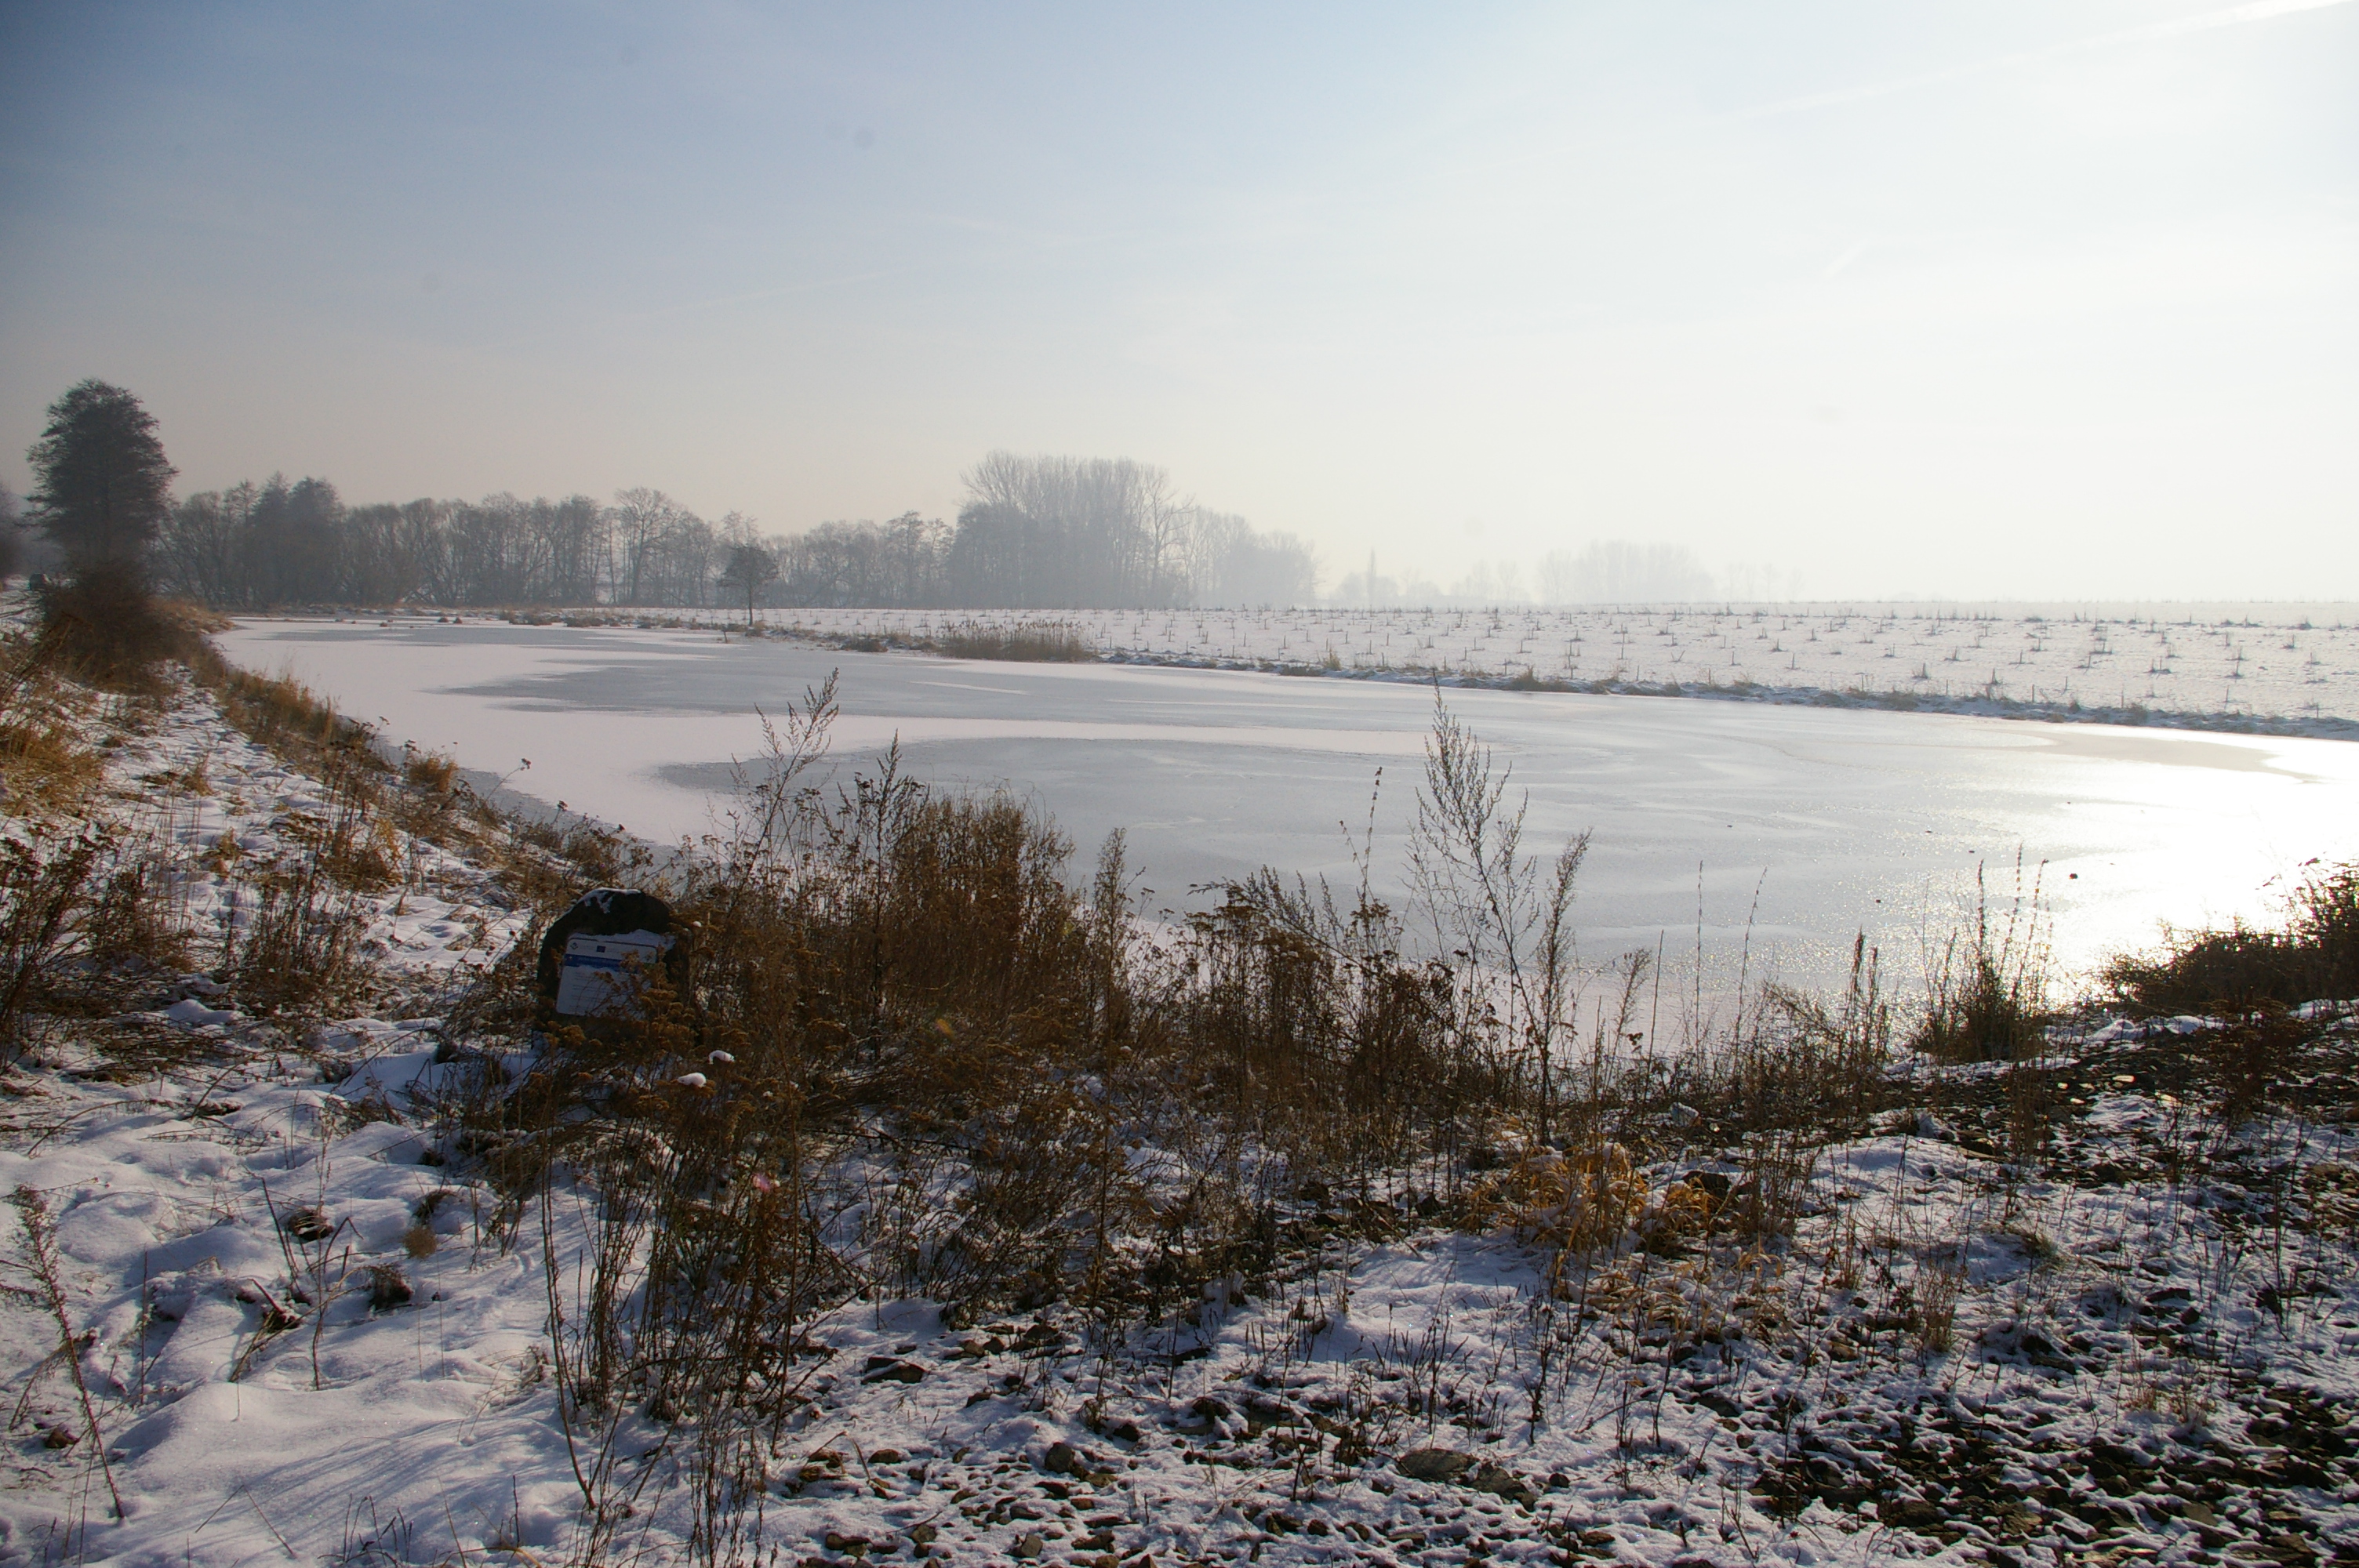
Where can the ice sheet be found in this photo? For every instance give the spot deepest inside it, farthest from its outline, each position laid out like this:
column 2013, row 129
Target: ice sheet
column 1791, row 827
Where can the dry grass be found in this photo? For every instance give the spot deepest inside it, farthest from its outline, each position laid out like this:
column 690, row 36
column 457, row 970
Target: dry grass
column 108, row 630
column 2314, row 955
column 1987, row 988
column 1578, row 1200
column 42, row 884
column 436, row 773
column 47, row 768
column 1031, row 642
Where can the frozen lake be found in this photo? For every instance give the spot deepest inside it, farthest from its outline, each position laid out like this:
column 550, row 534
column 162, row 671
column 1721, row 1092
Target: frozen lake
column 1841, row 819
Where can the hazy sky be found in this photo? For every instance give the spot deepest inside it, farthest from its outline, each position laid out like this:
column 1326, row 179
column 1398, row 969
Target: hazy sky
column 1981, row 297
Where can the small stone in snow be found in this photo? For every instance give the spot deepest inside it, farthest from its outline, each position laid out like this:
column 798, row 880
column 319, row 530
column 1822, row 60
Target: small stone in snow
column 1434, row 1463
column 307, row 1225
column 387, row 1290
column 1501, row 1482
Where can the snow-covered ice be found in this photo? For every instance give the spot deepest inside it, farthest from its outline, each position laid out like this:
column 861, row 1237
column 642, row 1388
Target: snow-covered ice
column 1782, row 830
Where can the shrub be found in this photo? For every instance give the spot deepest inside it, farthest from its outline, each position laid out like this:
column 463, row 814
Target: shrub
column 2315, row 955
column 42, row 883
column 1987, row 994
column 1032, row 641
column 109, row 630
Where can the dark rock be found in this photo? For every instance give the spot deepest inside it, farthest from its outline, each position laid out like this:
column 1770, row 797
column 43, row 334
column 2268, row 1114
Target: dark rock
column 1501, row 1482
column 620, row 913
column 1434, row 1465
column 1062, row 1459
column 2119, row 1456
column 893, row 1371
column 1270, row 1412
column 307, row 1225
column 387, row 1290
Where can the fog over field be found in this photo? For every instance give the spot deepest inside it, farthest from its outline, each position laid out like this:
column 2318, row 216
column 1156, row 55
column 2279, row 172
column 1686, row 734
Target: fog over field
column 2001, row 301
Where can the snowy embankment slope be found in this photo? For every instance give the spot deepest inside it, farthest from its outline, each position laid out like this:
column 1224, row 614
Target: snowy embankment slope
column 2289, row 672
column 314, row 1332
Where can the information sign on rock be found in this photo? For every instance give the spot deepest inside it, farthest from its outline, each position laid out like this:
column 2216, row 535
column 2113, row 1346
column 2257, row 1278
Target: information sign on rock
column 598, row 957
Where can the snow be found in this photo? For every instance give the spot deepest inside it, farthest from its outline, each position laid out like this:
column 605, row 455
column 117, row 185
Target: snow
column 2214, row 665
column 1810, row 823
column 2141, row 1339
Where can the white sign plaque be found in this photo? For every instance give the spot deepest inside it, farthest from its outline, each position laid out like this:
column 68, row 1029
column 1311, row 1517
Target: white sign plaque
column 602, row 975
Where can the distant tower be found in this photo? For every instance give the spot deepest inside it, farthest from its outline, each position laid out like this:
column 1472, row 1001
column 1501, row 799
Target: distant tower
column 1372, row 579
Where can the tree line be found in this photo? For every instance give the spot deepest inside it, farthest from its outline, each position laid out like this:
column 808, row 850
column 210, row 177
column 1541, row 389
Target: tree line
column 1034, row 533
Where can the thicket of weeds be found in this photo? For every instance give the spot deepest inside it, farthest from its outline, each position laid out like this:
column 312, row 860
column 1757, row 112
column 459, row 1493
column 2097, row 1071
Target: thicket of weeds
column 107, row 629
column 1030, row 642
column 49, row 762
column 96, row 910
column 1987, row 989
column 2315, row 954
column 914, row 1062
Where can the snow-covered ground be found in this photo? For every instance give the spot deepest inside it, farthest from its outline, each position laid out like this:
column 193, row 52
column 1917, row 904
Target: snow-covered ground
column 2226, row 665
column 2151, row 1356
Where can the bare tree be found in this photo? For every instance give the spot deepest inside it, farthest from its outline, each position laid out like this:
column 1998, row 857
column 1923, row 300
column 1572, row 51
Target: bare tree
column 12, row 539
column 752, row 568
column 642, row 521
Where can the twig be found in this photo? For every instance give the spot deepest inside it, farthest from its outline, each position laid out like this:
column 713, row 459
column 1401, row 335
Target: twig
column 255, row 1504
column 41, row 1247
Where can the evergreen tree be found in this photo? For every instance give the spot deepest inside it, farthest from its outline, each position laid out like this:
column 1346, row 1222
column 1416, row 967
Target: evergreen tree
column 102, row 484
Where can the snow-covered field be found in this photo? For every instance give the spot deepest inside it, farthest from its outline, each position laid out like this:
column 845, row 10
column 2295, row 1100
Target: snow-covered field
column 311, row 1333
column 2296, row 665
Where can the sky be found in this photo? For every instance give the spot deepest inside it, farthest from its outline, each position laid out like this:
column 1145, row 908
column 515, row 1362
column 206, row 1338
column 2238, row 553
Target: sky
column 1992, row 298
